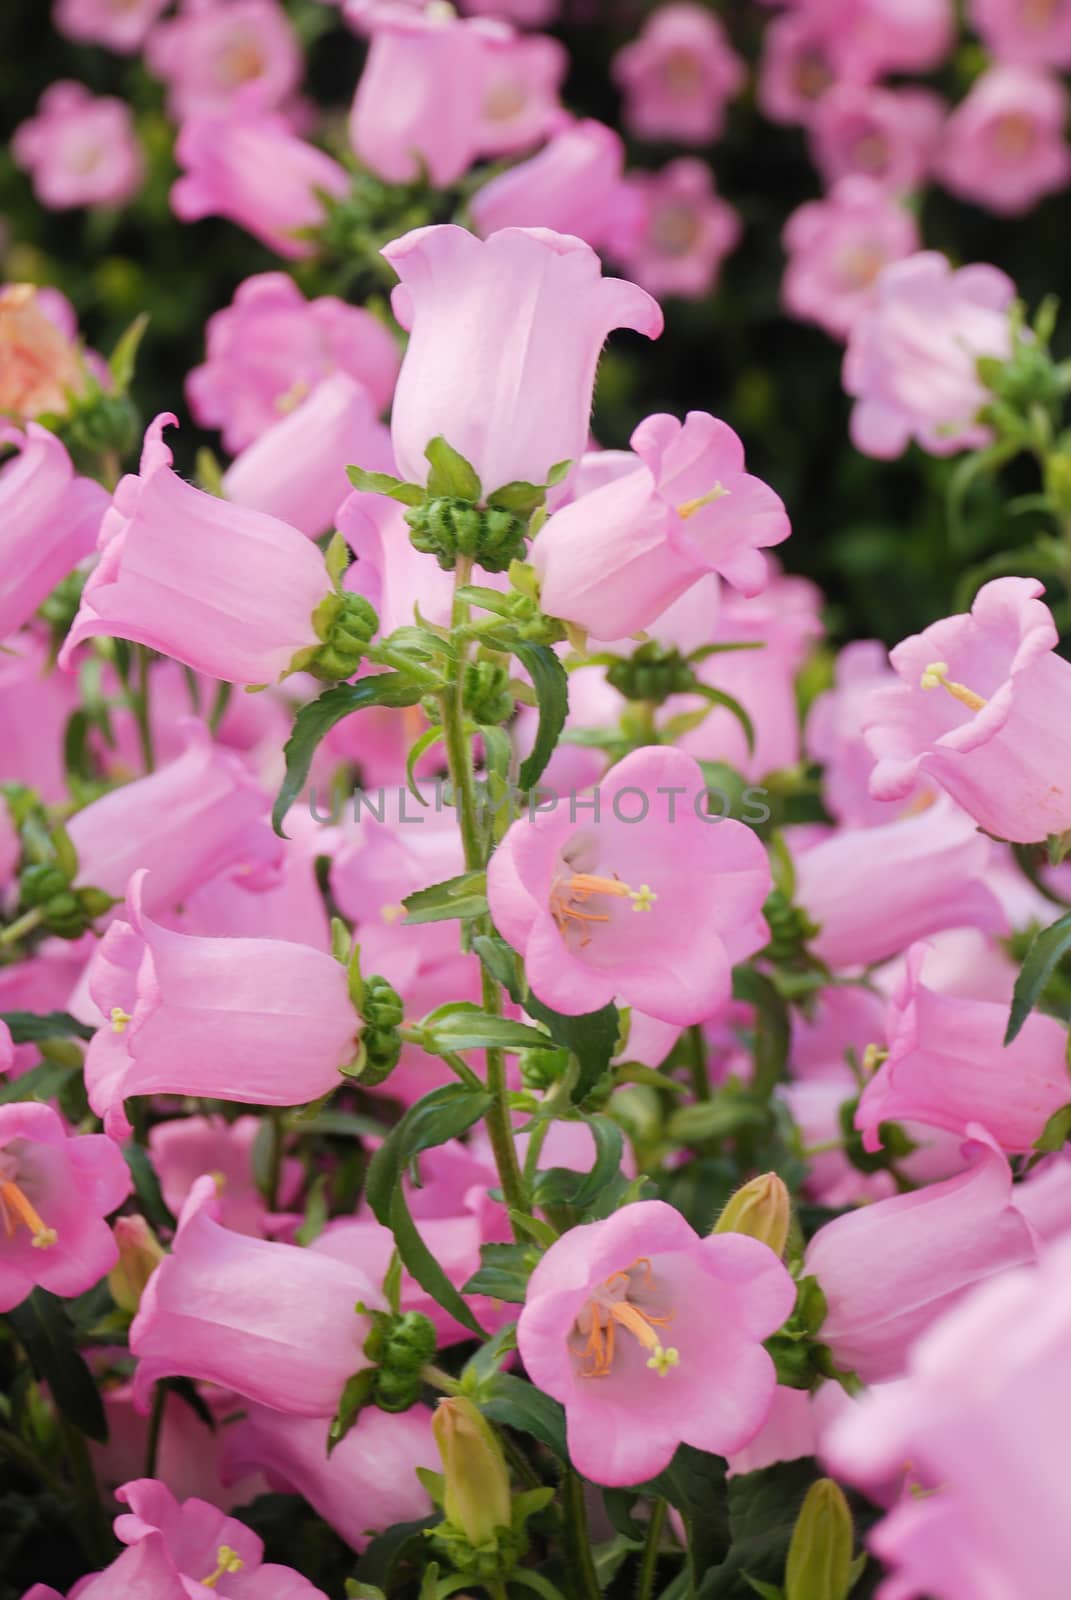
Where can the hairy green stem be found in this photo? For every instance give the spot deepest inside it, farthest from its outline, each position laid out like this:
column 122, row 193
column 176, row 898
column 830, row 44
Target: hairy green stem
column 584, row 1580
column 649, row 1560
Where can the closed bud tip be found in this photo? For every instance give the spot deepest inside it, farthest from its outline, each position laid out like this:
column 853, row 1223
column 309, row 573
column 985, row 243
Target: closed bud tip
column 140, row 1253
column 819, row 1563
column 761, row 1209
column 477, row 1493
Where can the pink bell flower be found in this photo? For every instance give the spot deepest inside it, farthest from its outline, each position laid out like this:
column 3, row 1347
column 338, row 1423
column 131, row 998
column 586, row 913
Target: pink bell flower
column 255, row 1020
column 119, row 25
column 651, row 1336
column 677, row 232
column 887, row 135
column 979, row 710
column 48, row 521
column 805, row 53
column 1030, row 33
column 573, row 186
column 837, row 246
column 209, row 53
column 56, row 1188
column 80, row 149
column 183, row 1148
column 37, row 704
column 226, row 590
column 144, row 1572
column 519, row 96
column 645, row 897
column 834, row 735
column 1004, row 146
column 678, row 76
column 510, row 391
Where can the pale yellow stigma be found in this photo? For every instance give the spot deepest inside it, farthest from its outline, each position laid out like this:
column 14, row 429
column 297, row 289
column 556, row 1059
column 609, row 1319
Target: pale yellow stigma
column 569, row 898
column 688, row 508
column 392, row 914
column 120, row 1018
column 661, row 1360
column 228, row 1561
column 16, row 1211
column 936, row 676
column 873, row 1056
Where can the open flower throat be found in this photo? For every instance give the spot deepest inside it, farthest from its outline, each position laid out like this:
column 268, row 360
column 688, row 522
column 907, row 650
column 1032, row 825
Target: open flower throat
column 616, row 1311
column 581, row 900
column 16, row 1210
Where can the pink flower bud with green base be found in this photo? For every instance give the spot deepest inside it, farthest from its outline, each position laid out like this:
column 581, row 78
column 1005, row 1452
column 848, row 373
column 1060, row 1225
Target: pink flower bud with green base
column 980, row 710
column 651, row 901
column 678, row 76
column 273, row 1322
column 651, row 1336
column 55, row 1191
column 48, row 521
column 261, row 1021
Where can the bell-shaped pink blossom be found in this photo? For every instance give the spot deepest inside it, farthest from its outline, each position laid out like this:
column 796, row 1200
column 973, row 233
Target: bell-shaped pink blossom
column 56, row 1188
column 979, row 710
column 183, row 1148
column 837, row 246
column 505, row 335
column 805, row 52
column 198, row 816
column 266, row 352
column 947, row 1066
column 189, row 1447
column 678, row 75
column 890, row 1269
column 635, row 892
column 296, row 469
column 255, row 1020
column 368, row 1482
column 208, row 54
column 977, row 1424
column 37, row 703
column 834, row 735
column 48, row 521
column 873, row 891
column 245, row 164
column 911, row 359
column 519, row 97
column 80, row 149
column 1004, row 146
column 887, row 135
column 144, row 1572
column 1032, row 33
column 573, row 185
column 273, row 1322
column 227, row 590
column 651, row 1336
column 677, row 230
column 613, row 560
column 118, row 26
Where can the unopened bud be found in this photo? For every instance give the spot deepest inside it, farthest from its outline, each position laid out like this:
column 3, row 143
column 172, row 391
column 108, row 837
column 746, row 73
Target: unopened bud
column 820, row 1556
column 761, row 1209
column 140, row 1253
column 476, row 1479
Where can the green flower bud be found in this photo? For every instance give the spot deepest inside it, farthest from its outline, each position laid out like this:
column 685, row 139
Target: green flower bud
column 485, row 691
column 381, row 1005
column 476, row 1497
column 40, row 883
column 761, row 1209
column 652, row 673
column 448, row 528
column 820, row 1556
column 346, row 624
column 790, row 927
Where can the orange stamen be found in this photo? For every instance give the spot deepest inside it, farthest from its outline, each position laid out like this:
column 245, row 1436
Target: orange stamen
column 17, row 1211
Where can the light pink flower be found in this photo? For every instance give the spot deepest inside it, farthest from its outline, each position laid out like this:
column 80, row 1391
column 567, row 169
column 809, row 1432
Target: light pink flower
column 804, row 53
column 119, row 25
column 651, row 1336
column 270, row 347
column 226, row 590
column 79, row 149
column 183, row 1148
column 209, row 53
column 680, row 231
column 519, row 95
column 978, row 710
column 1033, row 33
column 643, row 896
column 887, row 135
column 189, row 1451
column 837, row 246
column 947, row 1065
column 875, row 890
column 614, row 559
column 273, row 1322
column 55, row 1191
column 296, row 469
column 245, row 164
column 48, row 521
column 834, row 735
column 977, row 1426
column 910, row 363
column 505, row 335
column 1003, row 145
column 892, row 1268
column 678, row 75
column 573, row 186
column 261, row 1021
column 367, row 1484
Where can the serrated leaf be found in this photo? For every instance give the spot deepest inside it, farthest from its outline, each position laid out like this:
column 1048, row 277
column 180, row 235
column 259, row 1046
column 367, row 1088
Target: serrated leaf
column 463, row 896
column 410, row 494
column 1042, row 959
column 551, row 684
column 501, row 961
column 504, row 1272
column 44, row 1329
column 517, row 1404
column 728, row 702
column 591, row 1038
column 451, row 475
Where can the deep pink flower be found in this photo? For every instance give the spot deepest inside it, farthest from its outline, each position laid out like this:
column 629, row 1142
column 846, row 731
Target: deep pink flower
column 678, row 75
column 55, row 1191
column 119, row 25
column 48, row 521
column 979, row 711
column 226, row 590
column 613, row 560
column 189, row 1451
column 261, row 1021
column 209, row 53
column 651, row 1336
column 675, row 239
column 911, row 358
column 892, row 1268
column 273, row 1322
column 183, row 1148
column 837, row 246
column 79, row 149
column 505, row 335
column 887, row 135
column 573, row 186
column 1033, row 33
column 245, row 164
column 1004, row 146
column 641, row 896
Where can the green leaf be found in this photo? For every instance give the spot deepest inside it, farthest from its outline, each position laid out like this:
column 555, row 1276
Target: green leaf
column 123, row 358
column 43, row 1082
column 501, row 961
column 450, row 475
column 45, row 1331
column 558, row 473
column 765, row 1591
column 463, row 896
column 772, row 1029
column 147, row 1187
column 430, row 736
column 519, row 497
column 435, row 1120
column 728, row 702
column 591, row 1038
column 383, row 1565
column 551, row 683
column 517, row 1404
column 721, row 1118
column 1055, row 1133
column 695, row 1483
column 356, row 1394
column 410, row 494
column 29, row 1027
column 1042, row 959
column 561, row 1186
column 316, row 1211
column 763, row 1508
column 315, row 721
column 487, row 599
column 504, row 1272
column 337, row 558
column 462, row 1025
